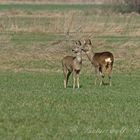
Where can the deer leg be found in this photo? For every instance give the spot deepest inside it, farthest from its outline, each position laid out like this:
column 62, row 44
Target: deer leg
column 65, row 83
column 109, row 76
column 100, row 74
column 101, row 70
column 77, row 78
column 102, row 77
column 67, row 78
column 74, row 79
column 78, row 85
column 110, row 83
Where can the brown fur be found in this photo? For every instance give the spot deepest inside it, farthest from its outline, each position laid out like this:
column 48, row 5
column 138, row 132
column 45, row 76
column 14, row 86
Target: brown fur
column 100, row 61
column 71, row 64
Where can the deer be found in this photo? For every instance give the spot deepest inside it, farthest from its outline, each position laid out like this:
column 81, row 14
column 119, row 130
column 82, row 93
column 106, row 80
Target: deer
column 73, row 64
column 102, row 61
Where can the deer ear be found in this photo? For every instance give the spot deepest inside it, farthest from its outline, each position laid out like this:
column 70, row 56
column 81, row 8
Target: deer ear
column 79, row 42
column 89, row 41
column 73, row 49
column 75, row 42
column 84, row 41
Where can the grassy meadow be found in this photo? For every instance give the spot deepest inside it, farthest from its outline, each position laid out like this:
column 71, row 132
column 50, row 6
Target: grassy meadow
column 33, row 103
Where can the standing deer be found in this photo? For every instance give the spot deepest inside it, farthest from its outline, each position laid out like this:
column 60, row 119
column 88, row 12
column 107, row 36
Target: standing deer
column 102, row 61
column 72, row 64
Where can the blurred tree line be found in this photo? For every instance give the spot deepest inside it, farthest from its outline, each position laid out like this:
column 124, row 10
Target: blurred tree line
column 133, row 5
column 123, row 6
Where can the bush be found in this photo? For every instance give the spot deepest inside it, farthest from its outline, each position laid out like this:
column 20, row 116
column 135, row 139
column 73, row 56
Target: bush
column 128, row 6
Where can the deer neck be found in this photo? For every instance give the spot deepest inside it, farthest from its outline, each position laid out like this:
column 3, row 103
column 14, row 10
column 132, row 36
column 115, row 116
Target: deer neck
column 79, row 57
column 90, row 55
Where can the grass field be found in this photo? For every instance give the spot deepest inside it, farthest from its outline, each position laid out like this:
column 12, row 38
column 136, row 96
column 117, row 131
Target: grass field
column 33, row 103
column 35, row 106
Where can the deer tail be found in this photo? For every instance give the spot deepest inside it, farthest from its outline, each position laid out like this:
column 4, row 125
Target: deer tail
column 108, row 62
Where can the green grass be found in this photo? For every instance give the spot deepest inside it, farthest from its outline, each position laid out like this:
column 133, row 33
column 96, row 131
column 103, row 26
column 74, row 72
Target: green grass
column 36, row 106
column 40, row 7
column 50, row 7
column 67, row 7
column 35, row 37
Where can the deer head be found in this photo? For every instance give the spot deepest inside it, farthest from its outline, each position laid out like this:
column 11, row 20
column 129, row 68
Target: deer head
column 78, row 47
column 87, row 46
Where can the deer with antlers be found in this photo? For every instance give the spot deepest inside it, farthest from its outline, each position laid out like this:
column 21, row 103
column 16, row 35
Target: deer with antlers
column 72, row 64
column 102, row 61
